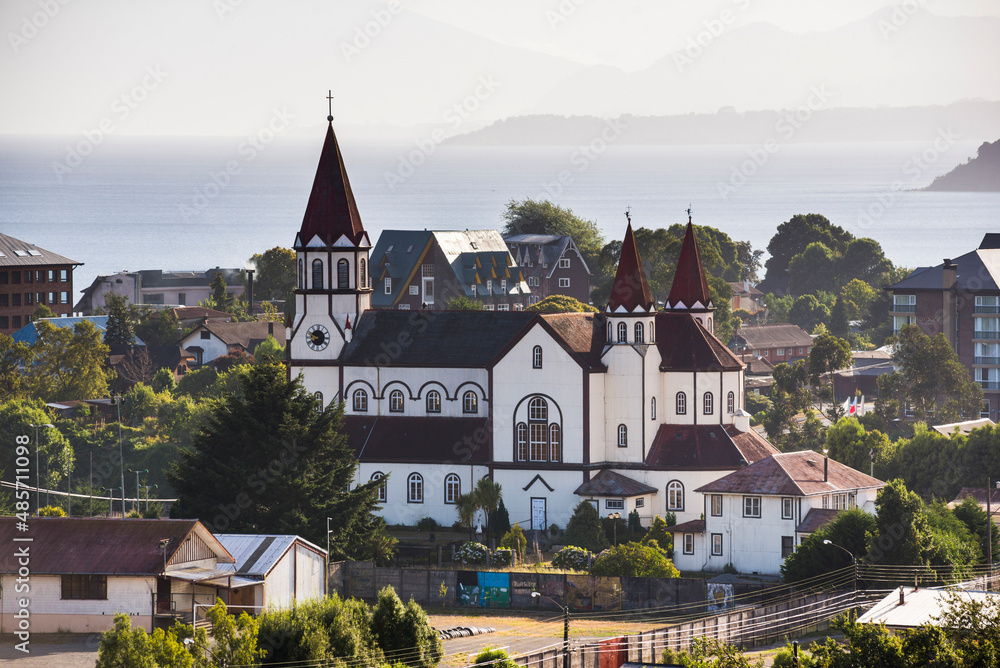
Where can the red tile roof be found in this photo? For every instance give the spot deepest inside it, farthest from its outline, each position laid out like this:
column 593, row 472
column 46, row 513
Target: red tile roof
column 706, row 447
column 610, row 483
column 100, row 546
column 685, row 345
column 815, row 519
column 792, row 474
column 630, row 289
column 690, row 287
column 419, row 440
column 331, row 211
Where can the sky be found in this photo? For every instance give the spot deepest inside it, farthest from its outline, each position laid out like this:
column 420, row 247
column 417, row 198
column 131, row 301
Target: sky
column 230, row 67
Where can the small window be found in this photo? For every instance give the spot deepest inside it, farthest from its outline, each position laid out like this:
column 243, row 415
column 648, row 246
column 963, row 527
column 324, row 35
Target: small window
column 363, row 273
column 360, row 401
column 536, row 357
column 396, row 401
column 319, row 397
column 765, row 353
column 415, row 488
column 708, row 403
column 63, row 275
column 622, row 436
column 689, row 543
column 786, row 508
column 640, row 503
column 433, row 401
column 489, row 286
column 378, row 475
column 503, row 307
column 716, row 505
column 652, row 332
column 652, row 408
column 787, row 546
column 611, row 333
column 84, row 588
column 716, row 544
column 521, row 454
column 452, row 488
column 681, row 403
column 563, row 282
column 564, row 263
column 503, row 286
column 302, row 284
column 470, row 403
column 343, row 275
column 317, row 278
column 639, row 336
column 614, row 504
column 622, row 333
column 675, row 495
column 205, row 334
column 555, row 443
column 780, row 352
column 751, row 506
column 731, row 403
column 388, row 285
column 414, row 290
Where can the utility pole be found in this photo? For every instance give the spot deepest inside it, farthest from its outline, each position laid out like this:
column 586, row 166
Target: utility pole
column 989, row 535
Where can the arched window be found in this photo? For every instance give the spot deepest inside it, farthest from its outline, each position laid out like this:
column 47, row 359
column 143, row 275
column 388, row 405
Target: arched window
column 470, row 403
column 536, row 357
column 682, row 403
column 363, row 273
column 652, row 408
column 638, row 333
column 343, row 275
column 452, row 488
column 707, row 400
column 396, row 401
column 538, row 430
column 302, row 277
column 433, row 401
column 521, row 453
column 360, row 401
column 652, row 333
column 611, row 333
column 378, row 475
column 622, row 436
column 731, row 403
column 710, row 325
column 415, row 488
column 319, row 396
column 675, row 495
column 317, row 282
column 622, row 333
column 538, row 410
column 555, row 443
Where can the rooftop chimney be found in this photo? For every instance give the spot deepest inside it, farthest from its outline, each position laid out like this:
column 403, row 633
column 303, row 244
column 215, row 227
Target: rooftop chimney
column 826, row 469
column 902, row 597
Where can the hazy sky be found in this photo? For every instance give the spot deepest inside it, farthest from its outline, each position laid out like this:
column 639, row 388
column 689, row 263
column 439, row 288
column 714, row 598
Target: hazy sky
column 229, row 67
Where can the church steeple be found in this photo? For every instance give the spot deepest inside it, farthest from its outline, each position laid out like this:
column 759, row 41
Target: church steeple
column 630, row 290
column 689, row 291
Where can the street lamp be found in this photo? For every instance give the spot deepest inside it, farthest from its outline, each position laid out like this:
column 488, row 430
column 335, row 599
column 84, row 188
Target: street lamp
column 614, row 517
column 565, row 609
column 854, row 560
column 326, row 579
column 38, row 467
column 116, row 400
column 137, row 472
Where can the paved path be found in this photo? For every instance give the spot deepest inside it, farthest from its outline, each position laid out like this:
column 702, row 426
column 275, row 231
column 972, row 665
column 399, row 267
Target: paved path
column 51, row 651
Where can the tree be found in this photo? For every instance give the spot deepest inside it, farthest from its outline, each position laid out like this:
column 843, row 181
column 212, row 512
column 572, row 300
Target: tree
column 500, row 521
column 902, row 535
column 792, row 237
column 42, row 311
column 493, row 657
column 584, row 528
column 749, row 261
column 561, row 304
column 827, row 354
column 807, row 312
column 647, row 560
column 163, row 381
column 275, row 277
column 840, row 318
column 235, row 638
column 68, row 363
column 122, row 317
column 849, row 443
column 158, row 327
column 13, row 355
column 463, row 303
column 125, row 647
column 488, row 494
column 298, row 473
column 515, row 540
column 813, row 558
column 544, row 217
column 932, row 379
column 974, row 517
column 812, row 270
column 269, row 351
column 401, row 628
column 863, row 259
column 466, row 507
column 660, row 532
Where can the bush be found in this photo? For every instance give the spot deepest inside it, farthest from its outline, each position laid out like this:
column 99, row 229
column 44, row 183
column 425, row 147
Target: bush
column 572, row 558
column 163, row 381
column 402, row 628
column 554, row 529
column 472, row 553
column 516, row 541
column 51, row 511
column 585, row 529
column 661, row 534
column 427, row 524
column 502, row 557
column 635, row 560
column 494, row 657
column 785, row 658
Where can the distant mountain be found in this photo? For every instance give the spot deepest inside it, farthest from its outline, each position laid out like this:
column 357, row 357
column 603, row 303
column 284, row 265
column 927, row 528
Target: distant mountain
column 969, row 120
column 982, row 173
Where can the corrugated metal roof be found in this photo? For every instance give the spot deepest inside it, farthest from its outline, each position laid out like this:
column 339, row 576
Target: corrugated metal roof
column 255, row 555
column 29, row 335
column 17, row 253
column 921, row 606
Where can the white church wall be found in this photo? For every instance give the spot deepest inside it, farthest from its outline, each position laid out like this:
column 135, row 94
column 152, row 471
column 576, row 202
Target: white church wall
column 400, row 508
column 598, row 388
column 673, row 382
column 415, row 383
column 559, row 503
column 623, row 404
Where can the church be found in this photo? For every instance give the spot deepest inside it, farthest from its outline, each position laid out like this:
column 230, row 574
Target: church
column 631, row 409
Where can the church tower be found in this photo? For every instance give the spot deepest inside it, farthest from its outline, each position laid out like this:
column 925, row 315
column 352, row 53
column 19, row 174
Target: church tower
column 630, row 309
column 689, row 292
column 333, row 285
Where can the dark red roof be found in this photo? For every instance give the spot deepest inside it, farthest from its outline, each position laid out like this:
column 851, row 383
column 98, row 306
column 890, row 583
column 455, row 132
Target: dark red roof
column 99, row 546
column 693, row 526
column 582, row 332
column 815, row 519
column 708, row 446
column 331, row 211
column 690, row 286
column 609, row 483
column 630, row 289
column 419, row 440
column 685, row 345
column 792, row 474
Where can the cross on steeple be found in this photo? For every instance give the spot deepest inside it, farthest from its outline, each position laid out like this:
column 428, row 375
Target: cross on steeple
column 329, row 98
column 689, row 213
column 628, row 214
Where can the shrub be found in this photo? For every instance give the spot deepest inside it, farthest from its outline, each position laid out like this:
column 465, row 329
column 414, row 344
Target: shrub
column 573, row 558
column 585, row 529
column 398, row 628
column 427, row 524
column 163, row 381
column 661, row 534
column 495, row 657
column 51, row 511
column 472, row 553
column 785, row 658
column 502, row 557
column 635, row 560
column 516, row 541
column 554, row 529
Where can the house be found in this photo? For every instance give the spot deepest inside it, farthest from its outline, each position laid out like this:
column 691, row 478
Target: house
column 979, row 495
column 775, row 343
column 84, row 570
column 552, row 264
column 188, row 316
column 961, row 299
column 273, row 571
column 29, row 333
column 31, row 276
column 139, row 363
column 213, row 339
column 416, row 270
column 155, row 286
column 908, row 608
column 632, row 408
column 746, row 297
column 754, row 517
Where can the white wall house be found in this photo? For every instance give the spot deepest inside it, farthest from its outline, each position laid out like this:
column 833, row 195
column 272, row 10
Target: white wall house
column 632, row 408
column 755, row 517
column 273, row 571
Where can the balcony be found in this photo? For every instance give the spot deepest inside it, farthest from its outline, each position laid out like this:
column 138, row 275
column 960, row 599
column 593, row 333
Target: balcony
column 986, row 309
column 986, row 360
column 985, row 335
column 989, row 384
column 904, row 308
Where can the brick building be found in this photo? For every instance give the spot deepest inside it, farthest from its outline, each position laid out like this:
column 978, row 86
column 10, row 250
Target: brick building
column 552, row 264
column 775, row 343
column 30, row 276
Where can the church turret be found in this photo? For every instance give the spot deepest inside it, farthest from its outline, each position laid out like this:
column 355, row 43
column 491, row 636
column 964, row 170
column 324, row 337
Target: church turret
column 689, row 292
column 631, row 298
column 333, row 286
